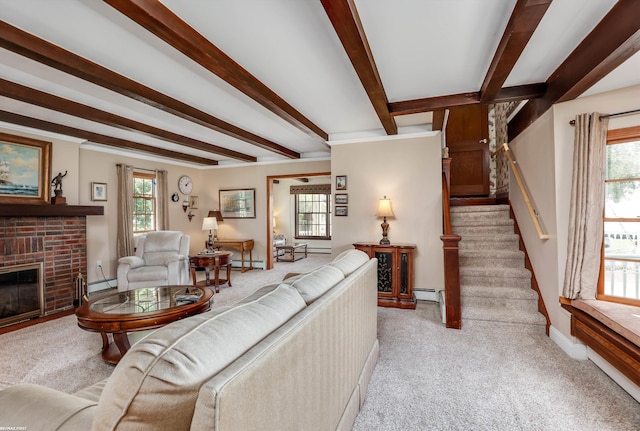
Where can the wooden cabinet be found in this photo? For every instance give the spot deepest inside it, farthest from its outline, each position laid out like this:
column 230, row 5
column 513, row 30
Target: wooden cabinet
column 395, row 273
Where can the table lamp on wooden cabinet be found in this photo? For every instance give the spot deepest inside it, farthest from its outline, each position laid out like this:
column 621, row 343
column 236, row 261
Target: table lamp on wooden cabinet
column 384, row 211
column 210, row 223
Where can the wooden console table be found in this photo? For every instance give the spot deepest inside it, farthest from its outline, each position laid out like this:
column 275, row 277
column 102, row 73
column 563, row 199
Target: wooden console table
column 243, row 245
column 395, row 273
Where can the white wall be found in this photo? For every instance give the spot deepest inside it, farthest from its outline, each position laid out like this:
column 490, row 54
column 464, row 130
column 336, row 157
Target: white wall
column 407, row 169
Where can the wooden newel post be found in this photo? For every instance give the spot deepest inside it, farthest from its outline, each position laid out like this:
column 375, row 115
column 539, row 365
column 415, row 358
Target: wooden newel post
column 452, row 281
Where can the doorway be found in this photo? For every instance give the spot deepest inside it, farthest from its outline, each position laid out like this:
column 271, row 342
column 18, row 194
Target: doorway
column 270, row 207
column 468, row 142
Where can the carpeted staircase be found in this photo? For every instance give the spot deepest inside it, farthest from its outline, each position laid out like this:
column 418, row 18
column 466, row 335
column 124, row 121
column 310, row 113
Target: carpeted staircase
column 495, row 285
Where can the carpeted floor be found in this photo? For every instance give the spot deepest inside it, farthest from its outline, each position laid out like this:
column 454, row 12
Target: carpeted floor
column 483, row 377
column 486, row 376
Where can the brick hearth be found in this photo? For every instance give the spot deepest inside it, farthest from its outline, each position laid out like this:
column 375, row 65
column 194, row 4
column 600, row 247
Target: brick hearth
column 59, row 242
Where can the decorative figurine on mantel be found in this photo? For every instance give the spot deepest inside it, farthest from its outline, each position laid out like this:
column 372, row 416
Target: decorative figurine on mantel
column 56, row 182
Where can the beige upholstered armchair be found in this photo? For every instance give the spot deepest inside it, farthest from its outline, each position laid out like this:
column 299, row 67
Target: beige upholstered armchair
column 161, row 259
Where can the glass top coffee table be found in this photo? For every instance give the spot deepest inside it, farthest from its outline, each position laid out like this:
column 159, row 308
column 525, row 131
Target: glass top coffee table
column 114, row 315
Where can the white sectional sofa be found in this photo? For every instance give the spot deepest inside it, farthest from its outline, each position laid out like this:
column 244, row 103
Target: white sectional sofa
column 292, row 356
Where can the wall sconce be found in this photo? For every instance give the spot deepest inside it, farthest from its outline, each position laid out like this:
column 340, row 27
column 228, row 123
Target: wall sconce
column 384, row 211
column 190, row 215
column 185, row 205
column 218, row 216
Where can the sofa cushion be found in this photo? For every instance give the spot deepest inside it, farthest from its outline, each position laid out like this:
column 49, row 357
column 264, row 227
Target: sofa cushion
column 156, row 384
column 314, row 284
column 350, row 260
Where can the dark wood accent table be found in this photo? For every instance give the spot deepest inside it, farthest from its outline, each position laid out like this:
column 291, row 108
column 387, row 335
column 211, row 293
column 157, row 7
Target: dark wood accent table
column 395, row 273
column 211, row 261
column 243, row 245
column 290, row 250
column 114, row 315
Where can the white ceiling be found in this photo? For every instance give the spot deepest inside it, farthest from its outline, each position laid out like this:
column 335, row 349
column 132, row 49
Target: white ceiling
column 421, row 48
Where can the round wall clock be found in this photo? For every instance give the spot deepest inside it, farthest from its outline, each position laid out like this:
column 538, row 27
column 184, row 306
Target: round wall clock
column 175, row 197
column 185, row 185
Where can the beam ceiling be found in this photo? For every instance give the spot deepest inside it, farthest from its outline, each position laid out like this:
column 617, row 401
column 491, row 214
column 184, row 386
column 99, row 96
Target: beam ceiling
column 614, row 40
column 56, row 103
column 346, row 22
column 30, row 46
column 164, row 24
column 98, row 138
column 524, row 20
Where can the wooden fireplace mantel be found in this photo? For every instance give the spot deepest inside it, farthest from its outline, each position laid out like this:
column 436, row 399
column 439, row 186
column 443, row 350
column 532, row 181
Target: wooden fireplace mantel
column 20, row 210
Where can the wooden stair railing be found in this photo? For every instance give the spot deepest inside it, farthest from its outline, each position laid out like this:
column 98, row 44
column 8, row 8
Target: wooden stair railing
column 535, row 216
column 453, row 308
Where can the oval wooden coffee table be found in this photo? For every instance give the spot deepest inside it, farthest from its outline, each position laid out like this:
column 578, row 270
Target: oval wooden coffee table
column 114, row 315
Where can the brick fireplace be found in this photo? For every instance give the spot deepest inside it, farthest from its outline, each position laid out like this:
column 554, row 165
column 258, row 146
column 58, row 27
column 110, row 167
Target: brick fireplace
column 56, row 237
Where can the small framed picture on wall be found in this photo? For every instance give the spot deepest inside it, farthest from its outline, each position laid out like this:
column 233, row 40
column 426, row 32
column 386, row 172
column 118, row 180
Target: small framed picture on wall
column 342, row 198
column 98, row 191
column 342, row 211
column 341, row 182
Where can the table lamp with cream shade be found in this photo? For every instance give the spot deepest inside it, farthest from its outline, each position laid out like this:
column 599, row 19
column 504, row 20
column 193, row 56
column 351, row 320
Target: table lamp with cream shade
column 210, row 224
column 384, row 211
column 218, row 216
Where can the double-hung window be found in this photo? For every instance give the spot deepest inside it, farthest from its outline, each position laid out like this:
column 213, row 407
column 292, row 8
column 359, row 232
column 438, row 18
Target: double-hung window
column 620, row 274
column 312, row 211
column 144, row 202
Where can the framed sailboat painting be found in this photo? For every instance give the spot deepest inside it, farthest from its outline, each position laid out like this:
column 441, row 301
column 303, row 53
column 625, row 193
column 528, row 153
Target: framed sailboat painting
column 25, row 170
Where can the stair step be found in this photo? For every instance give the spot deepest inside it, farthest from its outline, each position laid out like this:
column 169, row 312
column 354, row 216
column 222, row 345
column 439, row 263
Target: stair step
column 471, row 280
column 479, row 208
column 480, row 223
column 508, row 273
column 489, row 242
column 512, row 304
column 483, row 230
column 498, row 292
column 514, row 328
column 503, row 315
column 491, row 258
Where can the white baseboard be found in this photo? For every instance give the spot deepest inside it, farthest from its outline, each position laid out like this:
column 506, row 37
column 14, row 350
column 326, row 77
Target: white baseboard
column 574, row 350
column 101, row 285
column 582, row 352
column 622, row 380
column 426, row 295
column 257, row 264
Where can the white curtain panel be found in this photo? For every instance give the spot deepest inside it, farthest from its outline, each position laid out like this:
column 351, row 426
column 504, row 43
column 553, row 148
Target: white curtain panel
column 125, row 243
column 587, row 206
column 162, row 201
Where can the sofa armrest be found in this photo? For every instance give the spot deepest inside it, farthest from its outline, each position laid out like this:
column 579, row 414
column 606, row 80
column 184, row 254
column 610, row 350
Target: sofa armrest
column 35, row 407
column 132, row 261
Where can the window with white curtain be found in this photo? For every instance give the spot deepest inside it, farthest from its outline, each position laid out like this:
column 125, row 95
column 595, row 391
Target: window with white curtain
column 620, row 273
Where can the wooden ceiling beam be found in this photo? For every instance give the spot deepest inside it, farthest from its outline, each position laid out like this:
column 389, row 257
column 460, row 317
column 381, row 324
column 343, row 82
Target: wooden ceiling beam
column 433, row 103
column 521, row 92
column 507, row 94
column 524, row 20
column 164, row 24
column 30, row 46
column 60, row 104
column 346, row 22
column 97, row 138
column 615, row 39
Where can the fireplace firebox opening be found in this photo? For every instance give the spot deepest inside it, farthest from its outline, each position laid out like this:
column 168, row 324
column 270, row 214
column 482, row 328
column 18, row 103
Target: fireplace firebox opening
column 21, row 292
